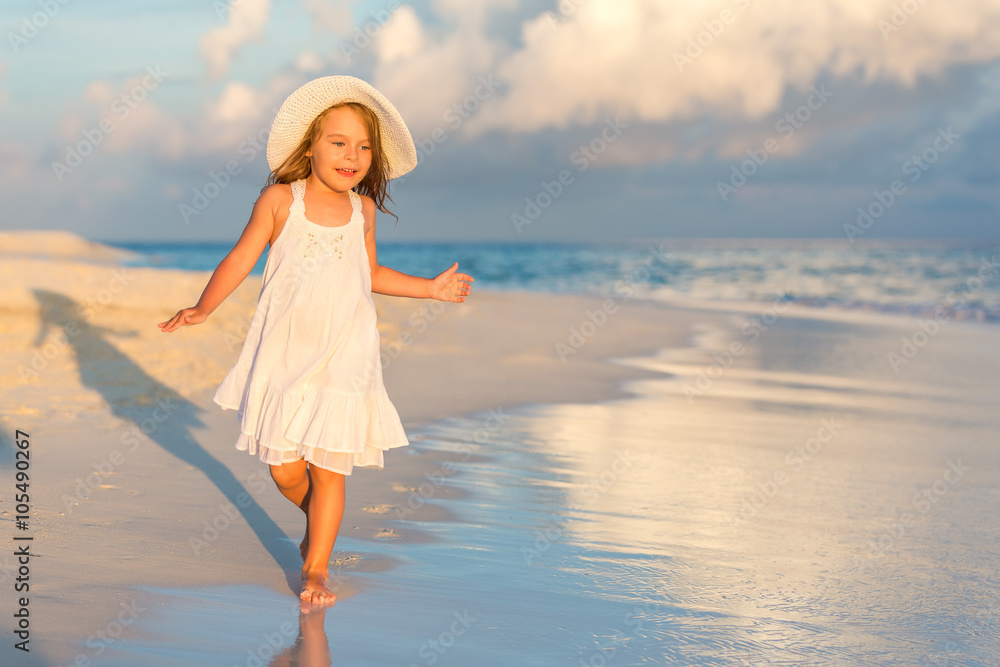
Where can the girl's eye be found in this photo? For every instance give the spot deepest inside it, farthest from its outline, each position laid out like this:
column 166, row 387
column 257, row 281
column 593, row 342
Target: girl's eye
column 367, row 148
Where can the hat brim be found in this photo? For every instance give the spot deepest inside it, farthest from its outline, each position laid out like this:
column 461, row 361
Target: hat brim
column 301, row 107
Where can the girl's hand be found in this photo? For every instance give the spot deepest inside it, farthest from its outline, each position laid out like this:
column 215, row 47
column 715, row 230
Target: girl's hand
column 451, row 286
column 183, row 318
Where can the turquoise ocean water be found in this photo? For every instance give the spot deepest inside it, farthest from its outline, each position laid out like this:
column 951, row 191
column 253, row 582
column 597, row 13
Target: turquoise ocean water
column 910, row 277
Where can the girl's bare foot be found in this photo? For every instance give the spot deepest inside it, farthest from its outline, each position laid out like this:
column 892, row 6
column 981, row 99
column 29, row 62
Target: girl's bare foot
column 314, row 589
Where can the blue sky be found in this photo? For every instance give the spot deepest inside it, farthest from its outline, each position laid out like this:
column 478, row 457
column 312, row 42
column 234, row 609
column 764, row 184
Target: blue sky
column 728, row 118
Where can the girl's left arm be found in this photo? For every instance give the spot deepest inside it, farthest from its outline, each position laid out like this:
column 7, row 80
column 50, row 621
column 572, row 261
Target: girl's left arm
column 449, row 285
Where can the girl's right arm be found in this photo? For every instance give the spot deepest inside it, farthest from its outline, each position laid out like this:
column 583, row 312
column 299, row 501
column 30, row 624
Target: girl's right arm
column 236, row 266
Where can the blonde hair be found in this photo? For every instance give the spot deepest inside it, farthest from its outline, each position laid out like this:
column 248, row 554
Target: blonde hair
column 375, row 183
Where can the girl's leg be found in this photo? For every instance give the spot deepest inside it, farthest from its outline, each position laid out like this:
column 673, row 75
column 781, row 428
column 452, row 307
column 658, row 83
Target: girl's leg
column 326, row 509
column 292, row 480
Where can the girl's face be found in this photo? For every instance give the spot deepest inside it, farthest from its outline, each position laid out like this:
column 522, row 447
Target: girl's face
column 341, row 155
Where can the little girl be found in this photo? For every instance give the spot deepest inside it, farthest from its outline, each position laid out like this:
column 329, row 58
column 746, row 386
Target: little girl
column 308, row 382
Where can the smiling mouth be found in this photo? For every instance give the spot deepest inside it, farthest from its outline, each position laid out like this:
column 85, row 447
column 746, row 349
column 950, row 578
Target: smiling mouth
column 348, row 171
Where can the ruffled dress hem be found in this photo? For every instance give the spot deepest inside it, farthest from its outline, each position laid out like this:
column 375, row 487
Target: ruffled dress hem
column 331, row 429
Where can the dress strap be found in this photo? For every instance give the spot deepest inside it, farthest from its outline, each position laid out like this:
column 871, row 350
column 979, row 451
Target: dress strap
column 298, row 195
column 356, row 205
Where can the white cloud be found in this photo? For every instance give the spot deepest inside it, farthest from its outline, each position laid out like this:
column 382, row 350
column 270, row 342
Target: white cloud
column 149, row 130
column 611, row 57
column 405, row 38
column 240, row 112
column 237, row 102
column 98, row 92
column 331, row 16
column 642, row 60
column 424, row 72
column 246, row 21
column 309, row 61
column 142, row 127
column 123, row 120
column 602, row 60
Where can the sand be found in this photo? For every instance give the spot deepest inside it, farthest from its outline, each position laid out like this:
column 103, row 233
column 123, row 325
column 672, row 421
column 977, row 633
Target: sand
column 132, row 457
column 142, row 507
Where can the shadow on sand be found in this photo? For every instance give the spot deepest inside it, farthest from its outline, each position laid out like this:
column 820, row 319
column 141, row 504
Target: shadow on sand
column 124, row 386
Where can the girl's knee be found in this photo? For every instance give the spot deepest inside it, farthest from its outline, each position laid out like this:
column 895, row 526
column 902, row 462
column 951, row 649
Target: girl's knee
column 288, row 474
column 324, row 476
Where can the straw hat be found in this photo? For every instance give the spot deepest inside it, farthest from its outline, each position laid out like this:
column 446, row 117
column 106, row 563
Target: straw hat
column 302, row 106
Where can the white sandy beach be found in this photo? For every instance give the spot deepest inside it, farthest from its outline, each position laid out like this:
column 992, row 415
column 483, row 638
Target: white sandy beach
column 784, row 497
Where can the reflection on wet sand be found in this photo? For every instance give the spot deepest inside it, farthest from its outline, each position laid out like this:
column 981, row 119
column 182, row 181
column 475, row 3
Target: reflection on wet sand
column 772, row 509
column 311, row 648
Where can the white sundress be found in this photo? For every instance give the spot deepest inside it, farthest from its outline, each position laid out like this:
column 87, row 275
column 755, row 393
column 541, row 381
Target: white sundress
column 308, row 382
